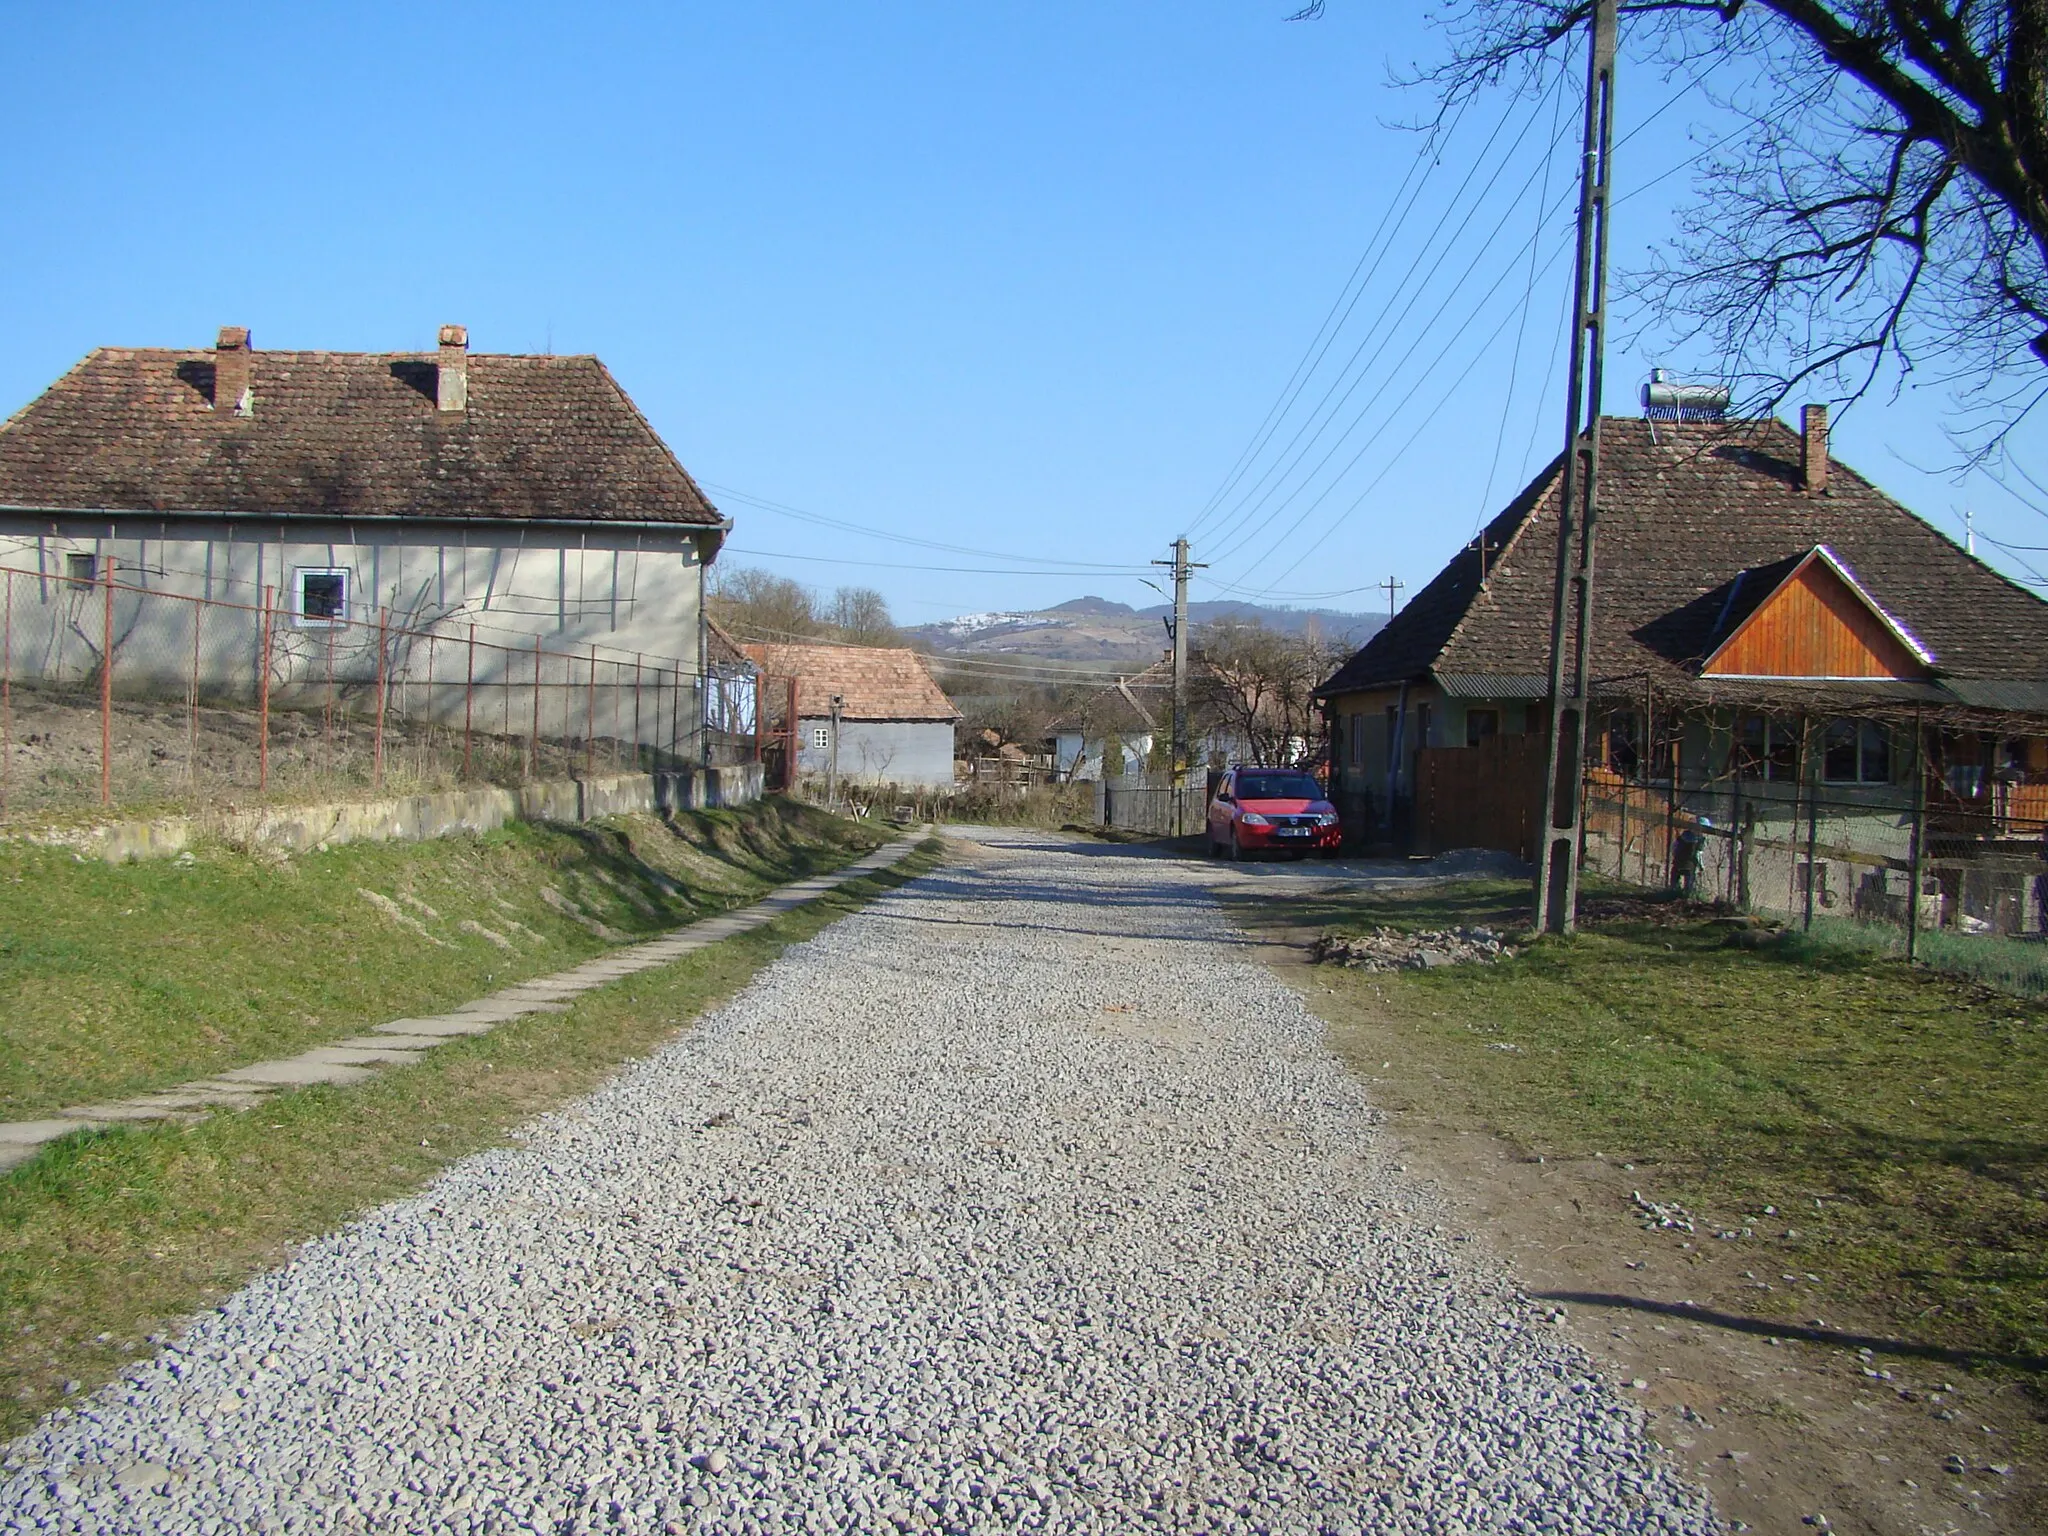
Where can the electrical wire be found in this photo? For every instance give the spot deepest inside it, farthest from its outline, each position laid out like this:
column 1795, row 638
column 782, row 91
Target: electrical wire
column 954, row 570
column 846, row 526
column 1272, row 549
column 1323, row 412
column 1311, row 357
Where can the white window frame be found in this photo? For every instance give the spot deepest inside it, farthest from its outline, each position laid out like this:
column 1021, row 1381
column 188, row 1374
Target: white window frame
column 821, row 738
column 303, row 620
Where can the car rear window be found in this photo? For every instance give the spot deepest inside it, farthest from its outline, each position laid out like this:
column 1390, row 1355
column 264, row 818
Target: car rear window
column 1277, row 786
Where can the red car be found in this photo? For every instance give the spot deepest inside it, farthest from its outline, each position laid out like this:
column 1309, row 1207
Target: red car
column 1261, row 809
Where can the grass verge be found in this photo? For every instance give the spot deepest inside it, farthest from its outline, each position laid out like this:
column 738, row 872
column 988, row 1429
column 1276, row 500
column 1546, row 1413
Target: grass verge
column 1879, row 1126
column 110, row 1237
column 123, row 978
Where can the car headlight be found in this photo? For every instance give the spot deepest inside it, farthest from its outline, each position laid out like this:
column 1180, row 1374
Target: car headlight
column 1252, row 819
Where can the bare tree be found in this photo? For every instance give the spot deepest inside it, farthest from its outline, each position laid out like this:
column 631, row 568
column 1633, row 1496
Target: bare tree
column 1259, row 685
column 758, row 605
column 860, row 616
column 1883, row 207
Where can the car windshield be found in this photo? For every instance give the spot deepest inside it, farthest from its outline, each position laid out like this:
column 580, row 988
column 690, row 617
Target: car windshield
column 1277, row 786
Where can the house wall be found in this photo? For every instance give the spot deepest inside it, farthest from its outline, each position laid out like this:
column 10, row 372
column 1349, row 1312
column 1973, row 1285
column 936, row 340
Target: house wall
column 629, row 592
column 918, row 752
column 1080, row 758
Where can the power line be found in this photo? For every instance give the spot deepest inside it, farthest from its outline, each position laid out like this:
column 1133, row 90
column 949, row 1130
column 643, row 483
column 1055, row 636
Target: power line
column 1274, row 547
column 1442, row 354
column 1311, row 358
column 955, row 570
column 846, row 526
column 1253, row 500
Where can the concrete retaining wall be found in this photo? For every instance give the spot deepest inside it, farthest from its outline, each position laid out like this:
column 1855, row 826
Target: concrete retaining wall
column 413, row 818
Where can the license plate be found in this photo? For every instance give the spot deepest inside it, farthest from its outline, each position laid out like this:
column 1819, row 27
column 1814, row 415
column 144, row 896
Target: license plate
column 1292, row 831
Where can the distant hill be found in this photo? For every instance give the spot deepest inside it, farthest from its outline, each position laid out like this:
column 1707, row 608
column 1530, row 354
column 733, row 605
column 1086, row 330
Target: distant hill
column 1095, row 629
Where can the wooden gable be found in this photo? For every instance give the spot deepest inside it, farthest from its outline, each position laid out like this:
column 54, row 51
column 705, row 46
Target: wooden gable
column 1818, row 623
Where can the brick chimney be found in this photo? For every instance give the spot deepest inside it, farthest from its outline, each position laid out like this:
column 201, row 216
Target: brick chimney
column 1813, row 448
column 451, row 392
column 231, row 392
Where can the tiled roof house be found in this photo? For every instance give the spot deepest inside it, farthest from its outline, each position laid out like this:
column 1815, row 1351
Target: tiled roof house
column 526, row 495
column 894, row 723
column 1740, row 573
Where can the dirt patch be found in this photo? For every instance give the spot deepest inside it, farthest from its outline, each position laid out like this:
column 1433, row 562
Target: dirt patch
column 1787, row 1424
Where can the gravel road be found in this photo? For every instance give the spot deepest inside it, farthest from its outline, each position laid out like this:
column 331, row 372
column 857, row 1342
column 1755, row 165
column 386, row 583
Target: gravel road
column 1022, row 1200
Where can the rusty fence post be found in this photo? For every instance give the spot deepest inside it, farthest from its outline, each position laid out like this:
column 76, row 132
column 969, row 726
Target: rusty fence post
column 760, row 710
column 590, row 718
column 263, row 698
column 426, row 712
column 7, row 693
column 639, row 752
column 107, row 687
column 383, row 677
column 192, row 699
column 1917, row 860
column 468, row 699
column 533, row 741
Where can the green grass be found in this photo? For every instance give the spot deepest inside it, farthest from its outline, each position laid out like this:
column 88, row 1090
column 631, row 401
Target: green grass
column 2018, row 966
column 1896, row 1118
column 108, row 1237
column 122, row 978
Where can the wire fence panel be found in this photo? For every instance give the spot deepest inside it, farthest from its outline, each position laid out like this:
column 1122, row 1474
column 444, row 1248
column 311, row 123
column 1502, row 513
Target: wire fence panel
column 115, row 694
column 1879, row 831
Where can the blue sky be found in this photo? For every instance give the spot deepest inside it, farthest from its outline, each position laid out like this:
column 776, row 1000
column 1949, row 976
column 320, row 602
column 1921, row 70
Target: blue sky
column 1022, row 280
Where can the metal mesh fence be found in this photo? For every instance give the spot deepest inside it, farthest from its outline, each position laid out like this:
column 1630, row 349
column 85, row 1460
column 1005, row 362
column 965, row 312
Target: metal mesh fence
column 1883, row 832
column 114, row 694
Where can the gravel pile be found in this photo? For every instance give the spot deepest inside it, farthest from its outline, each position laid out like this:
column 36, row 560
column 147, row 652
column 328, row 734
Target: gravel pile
column 1017, row 1202
column 1385, row 950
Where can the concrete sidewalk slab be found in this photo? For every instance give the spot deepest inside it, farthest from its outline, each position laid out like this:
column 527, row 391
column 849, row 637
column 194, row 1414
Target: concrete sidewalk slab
column 403, row 1041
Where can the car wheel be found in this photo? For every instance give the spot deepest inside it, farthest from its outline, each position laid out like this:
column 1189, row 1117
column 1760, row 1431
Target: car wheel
column 1236, row 848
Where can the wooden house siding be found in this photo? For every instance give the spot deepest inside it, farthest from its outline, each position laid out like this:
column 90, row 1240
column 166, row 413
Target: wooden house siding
column 1815, row 626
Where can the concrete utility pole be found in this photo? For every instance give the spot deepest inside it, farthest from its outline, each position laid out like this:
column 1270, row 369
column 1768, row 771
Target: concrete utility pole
column 1564, row 782
column 832, row 762
column 1181, row 566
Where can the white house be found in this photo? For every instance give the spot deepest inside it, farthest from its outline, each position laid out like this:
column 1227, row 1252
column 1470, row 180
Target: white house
column 337, row 492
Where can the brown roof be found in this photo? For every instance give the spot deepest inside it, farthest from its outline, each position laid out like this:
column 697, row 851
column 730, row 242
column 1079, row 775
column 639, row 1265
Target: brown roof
column 1697, row 523
column 345, row 434
column 877, row 684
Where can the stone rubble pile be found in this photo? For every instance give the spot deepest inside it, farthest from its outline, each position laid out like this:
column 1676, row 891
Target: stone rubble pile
column 1384, row 949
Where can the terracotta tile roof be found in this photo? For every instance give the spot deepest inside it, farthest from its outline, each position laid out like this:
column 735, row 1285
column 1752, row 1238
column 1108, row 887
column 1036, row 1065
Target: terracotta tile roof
column 347, row 434
column 1683, row 516
column 877, row 683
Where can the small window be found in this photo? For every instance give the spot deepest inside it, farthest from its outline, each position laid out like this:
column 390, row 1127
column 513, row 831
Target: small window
column 1481, row 725
column 81, row 570
column 821, row 737
column 1856, row 752
column 1766, row 749
column 320, row 597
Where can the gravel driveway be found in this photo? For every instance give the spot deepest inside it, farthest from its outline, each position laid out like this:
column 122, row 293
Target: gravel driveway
column 1019, row 1201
